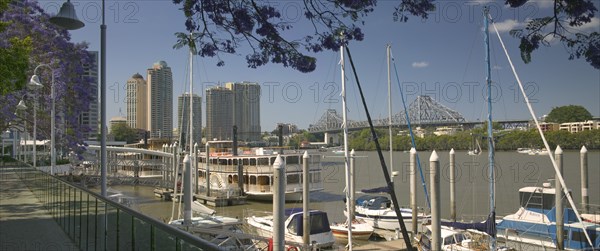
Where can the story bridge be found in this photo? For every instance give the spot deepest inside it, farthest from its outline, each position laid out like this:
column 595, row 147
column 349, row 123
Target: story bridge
column 423, row 111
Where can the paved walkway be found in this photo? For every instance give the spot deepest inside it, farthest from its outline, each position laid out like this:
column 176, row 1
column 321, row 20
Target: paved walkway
column 24, row 223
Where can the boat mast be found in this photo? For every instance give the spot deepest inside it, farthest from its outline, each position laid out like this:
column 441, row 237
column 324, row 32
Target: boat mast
column 188, row 168
column 191, row 123
column 490, row 135
column 345, row 130
column 388, row 52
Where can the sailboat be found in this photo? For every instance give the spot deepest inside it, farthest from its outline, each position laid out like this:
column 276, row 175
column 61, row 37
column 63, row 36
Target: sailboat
column 353, row 227
column 488, row 227
column 476, row 150
column 376, row 210
column 535, row 225
column 220, row 230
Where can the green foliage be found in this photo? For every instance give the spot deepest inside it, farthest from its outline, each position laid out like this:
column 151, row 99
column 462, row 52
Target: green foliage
column 506, row 141
column 14, row 59
column 569, row 113
column 123, row 132
column 297, row 139
column 14, row 62
column 62, row 161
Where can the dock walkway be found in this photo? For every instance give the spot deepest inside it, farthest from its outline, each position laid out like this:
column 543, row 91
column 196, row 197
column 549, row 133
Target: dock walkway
column 24, row 222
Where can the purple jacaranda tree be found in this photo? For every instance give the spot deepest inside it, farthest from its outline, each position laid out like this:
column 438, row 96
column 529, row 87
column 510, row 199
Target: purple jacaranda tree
column 49, row 45
column 223, row 26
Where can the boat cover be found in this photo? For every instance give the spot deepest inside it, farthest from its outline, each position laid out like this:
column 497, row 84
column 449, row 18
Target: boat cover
column 319, row 223
column 373, row 202
column 488, row 226
column 376, row 190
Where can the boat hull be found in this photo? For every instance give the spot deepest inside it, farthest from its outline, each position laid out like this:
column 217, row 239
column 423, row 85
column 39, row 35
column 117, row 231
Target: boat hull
column 361, row 230
column 386, row 219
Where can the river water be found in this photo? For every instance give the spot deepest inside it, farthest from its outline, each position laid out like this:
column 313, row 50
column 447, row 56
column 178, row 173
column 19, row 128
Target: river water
column 514, row 170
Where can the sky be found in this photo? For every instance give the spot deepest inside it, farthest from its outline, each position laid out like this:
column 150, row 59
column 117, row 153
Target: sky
column 442, row 57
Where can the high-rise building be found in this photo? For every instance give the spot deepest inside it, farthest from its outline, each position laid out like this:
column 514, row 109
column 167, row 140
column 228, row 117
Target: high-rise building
column 137, row 102
column 183, row 117
column 219, row 113
column 160, row 101
column 246, row 110
column 235, row 104
column 89, row 118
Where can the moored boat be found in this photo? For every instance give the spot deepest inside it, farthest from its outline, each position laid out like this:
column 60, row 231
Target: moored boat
column 361, row 230
column 220, row 230
column 534, row 224
column 320, row 232
column 377, row 211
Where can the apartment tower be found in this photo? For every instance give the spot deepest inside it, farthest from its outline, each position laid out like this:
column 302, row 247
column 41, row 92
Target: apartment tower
column 219, row 114
column 246, row 110
column 183, row 117
column 235, row 104
column 137, row 102
column 160, row 101
column 89, row 118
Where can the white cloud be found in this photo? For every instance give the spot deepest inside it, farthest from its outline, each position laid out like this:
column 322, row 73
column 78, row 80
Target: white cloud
column 593, row 25
column 422, row 64
column 508, row 25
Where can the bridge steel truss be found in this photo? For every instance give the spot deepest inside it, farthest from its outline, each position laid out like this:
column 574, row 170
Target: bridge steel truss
column 424, row 110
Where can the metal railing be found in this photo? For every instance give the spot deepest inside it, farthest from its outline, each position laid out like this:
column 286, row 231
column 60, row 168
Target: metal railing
column 96, row 223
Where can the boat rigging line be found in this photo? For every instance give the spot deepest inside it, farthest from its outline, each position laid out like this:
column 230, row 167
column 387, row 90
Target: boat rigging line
column 412, row 135
column 384, row 168
column 537, row 124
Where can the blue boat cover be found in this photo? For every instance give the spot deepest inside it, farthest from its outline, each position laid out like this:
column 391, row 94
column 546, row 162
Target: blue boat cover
column 319, row 223
column 488, row 226
column 373, row 202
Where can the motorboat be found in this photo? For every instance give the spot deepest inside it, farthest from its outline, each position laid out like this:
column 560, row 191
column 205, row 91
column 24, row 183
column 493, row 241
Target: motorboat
column 377, row 211
column 534, row 224
column 321, row 235
column 225, row 232
column 361, row 230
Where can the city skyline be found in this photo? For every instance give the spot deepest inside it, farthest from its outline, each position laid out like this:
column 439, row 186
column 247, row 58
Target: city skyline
column 429, row 62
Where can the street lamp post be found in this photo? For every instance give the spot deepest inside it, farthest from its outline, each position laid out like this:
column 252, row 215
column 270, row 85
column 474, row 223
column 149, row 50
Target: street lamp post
column 23, row 149
column 35, row 83
column 34, row 86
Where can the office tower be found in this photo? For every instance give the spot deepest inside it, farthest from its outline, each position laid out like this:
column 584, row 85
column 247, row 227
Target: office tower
column 160, row 101
column 89, row 118
column 219, row 114
column 137, row 103
column 246, row 110
column 183, row 116
column 235, row 104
